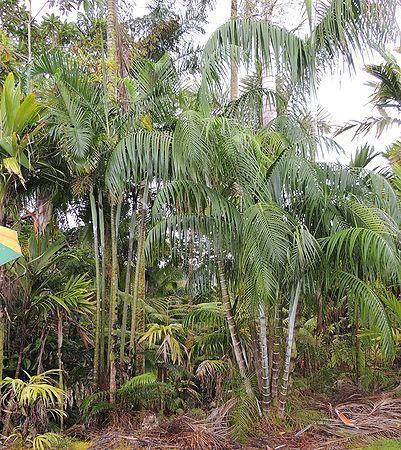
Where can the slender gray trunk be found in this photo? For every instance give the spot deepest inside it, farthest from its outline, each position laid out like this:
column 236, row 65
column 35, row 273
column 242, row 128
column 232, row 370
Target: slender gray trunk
column 234, row 65
column 43, row 338
column 268, row 79
column 111, row 24
column 265, row 358
column 29, row 63
column 288, row 354
column 137, row 319
column 98, row 289
column 256, row 356
column 2, row 334
column 233, row 332
column 103, row 284
column 113, row 308
column 190, row 267
column 60, row 360
column 127, row 284
column 276, row 350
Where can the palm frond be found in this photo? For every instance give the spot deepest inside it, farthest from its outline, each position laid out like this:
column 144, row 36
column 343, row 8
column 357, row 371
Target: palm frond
column 142, row 154
column 373, row 312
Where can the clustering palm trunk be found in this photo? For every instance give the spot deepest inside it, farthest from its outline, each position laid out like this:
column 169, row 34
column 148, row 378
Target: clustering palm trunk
column 103, row 285
column 234, row 65
column 358, row 350
column 60, row 358
column 268, row 80
column 43, row 339
column 111, row 23
column 265, row 358
column 276, row 351
column 288, row 354
column 113, row 307
column 96, row 359
column 239, row 357
column 190, row 267
column 137, row 311
column 2, row 319
column 127, row 286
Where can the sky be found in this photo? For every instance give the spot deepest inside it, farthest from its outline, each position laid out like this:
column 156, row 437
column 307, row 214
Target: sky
column 344, row 97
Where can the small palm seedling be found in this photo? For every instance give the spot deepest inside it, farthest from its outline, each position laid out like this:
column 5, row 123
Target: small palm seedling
column 165, row 336
column 45, row 441
column 31, row 402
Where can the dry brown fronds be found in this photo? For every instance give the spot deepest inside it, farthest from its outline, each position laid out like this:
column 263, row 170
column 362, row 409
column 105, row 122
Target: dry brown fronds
column 361, row 418
column 180, row 433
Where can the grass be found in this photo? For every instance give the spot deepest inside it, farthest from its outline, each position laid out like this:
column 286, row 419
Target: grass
column 382, row 444
column 80, row 445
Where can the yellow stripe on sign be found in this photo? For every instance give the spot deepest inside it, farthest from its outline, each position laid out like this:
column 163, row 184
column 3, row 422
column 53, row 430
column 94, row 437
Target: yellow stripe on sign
column 9, row 238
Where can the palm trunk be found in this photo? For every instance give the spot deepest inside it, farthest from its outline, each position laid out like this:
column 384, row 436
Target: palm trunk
column 60, row 359
column 103, row 285
column 43, row 338
column 358, row 359
column 113, row 308
column 117, row 218
column 268, row 81
column 111, row 24
column 127, row 285
column 234, row 65
column 29, row 62
column 319, row 327
column 276, row 351
column 190, row 267
column 288, row 354
column 256, row 357
column 233, row 332
column 7, row 418
column 96, row 358
column 265, row 359
column 20, row 355
column 137, row 312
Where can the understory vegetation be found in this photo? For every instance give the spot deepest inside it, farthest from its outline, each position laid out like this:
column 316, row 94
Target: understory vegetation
column 191, row 262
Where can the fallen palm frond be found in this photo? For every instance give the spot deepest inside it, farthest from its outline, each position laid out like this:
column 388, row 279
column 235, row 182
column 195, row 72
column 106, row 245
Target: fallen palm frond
column 360, row 418
column 180, row 433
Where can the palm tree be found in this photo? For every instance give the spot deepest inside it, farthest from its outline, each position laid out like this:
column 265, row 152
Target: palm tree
column 143, row 157
column 387, row 100
column 66, row 304
column 86, row 132
column 245, row 201
column 280, row 239
column 79, row 124
column 19, row 119
column 32, row 396
column 338, row 32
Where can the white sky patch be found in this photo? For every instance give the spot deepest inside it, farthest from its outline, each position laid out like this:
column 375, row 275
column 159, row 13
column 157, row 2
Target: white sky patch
column 343, row 96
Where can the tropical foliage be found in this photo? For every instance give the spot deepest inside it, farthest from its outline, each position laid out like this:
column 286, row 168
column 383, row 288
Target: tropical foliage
column 186, row 246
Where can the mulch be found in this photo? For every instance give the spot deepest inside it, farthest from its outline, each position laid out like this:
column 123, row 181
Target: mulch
column 358, row 419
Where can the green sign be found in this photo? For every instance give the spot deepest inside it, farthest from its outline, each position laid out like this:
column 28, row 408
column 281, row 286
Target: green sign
column 9, row 245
